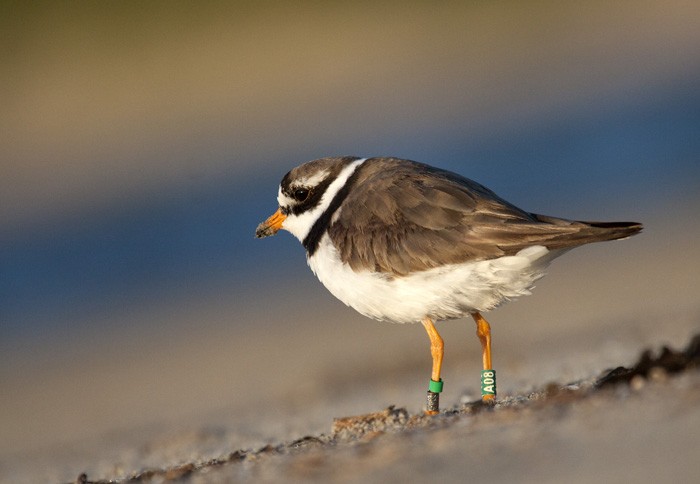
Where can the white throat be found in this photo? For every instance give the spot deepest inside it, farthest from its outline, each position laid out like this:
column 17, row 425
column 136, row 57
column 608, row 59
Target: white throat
column 300, row 225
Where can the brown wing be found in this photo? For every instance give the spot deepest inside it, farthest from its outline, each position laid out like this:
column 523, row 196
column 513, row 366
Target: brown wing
column 402, row 216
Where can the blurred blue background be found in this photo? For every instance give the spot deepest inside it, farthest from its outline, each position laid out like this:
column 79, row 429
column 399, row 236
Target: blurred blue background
column 142, row 143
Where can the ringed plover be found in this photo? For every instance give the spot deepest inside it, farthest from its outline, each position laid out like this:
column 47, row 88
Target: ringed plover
column 406, row 242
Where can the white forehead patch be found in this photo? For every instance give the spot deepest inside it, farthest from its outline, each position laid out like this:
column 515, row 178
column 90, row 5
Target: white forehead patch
column 282, row 199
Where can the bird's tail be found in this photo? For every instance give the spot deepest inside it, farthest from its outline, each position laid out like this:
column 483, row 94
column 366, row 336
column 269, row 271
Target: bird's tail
column 580, row 232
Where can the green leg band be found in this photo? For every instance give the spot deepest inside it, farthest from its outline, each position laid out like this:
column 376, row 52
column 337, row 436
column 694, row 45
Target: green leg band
column 488, row 382
column 435, row 386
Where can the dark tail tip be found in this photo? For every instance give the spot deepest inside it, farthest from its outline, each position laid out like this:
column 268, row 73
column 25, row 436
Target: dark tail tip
column 617, row 225
column 618, row 230
column 631, row 226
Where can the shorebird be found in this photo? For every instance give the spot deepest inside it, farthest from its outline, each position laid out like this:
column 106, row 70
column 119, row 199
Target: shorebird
column 406, row 242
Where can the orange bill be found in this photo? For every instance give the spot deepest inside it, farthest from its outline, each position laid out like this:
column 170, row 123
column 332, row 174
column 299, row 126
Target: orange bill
column 272, row 225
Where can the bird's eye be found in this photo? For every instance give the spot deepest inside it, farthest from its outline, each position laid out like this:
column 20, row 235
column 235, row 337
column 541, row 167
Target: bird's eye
column 301, row 194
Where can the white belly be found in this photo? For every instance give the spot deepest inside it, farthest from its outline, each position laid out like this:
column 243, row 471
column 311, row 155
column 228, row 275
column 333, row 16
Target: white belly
column 447, row 292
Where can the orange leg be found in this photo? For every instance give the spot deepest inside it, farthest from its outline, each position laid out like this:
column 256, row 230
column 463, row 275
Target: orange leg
column 483, row 331
column 437, row 350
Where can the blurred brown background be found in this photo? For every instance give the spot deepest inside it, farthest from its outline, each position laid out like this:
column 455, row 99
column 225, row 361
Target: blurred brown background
column 140, row 144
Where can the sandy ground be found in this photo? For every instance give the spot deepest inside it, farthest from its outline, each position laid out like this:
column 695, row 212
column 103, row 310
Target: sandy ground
column 633, row 424
column 595, row 430
column 646, row 432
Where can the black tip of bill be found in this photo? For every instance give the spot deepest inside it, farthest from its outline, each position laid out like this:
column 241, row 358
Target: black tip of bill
column 263, row 231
